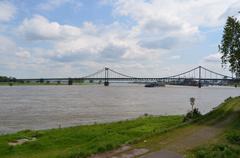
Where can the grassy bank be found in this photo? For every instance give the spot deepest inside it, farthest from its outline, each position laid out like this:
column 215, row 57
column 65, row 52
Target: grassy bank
column 226, row 145
column 210, row 136
column 84, row 140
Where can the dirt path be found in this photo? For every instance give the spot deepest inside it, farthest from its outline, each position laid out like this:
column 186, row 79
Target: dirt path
column 171, row 147
column 183, row 143
column 200, row 136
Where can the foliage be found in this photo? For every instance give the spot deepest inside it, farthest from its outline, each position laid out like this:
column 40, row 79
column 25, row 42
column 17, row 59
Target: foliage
column 233, row 137
column 230, row 45
column 7, row 79
column 83, row 141
column 233, row 133
column 217, row 151
column 226, row 145
column 194, row 114
column 228, row 99
column 222, row 111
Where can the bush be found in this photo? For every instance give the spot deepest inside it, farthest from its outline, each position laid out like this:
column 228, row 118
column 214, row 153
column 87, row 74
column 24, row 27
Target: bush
column 192, row 115
column 228, row 99
column 80, row 154
column 109, row 147
column 217, row 151
column 101, row 149
column 233, row 137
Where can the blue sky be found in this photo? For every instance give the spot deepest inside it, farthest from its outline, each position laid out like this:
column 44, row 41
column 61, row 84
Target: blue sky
column 71, row 38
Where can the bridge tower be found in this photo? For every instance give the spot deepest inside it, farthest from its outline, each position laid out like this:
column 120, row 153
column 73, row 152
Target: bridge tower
column 199, row 79
column 106, row 82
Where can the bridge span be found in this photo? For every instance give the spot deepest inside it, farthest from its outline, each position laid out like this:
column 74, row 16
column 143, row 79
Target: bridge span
column 199, row 76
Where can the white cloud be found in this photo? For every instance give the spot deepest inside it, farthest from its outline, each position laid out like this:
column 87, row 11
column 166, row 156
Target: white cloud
column 7, row 11
column 157, row 21
column 24, row 54
column 39, row 28
column 16, row 59
column 85, row 40
column 158, row 29
column 191, row 12
column 7, row 45
column 213, row 58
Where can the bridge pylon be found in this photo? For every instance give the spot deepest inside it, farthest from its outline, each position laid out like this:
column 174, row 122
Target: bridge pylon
column 200, row 77
column 106, row 81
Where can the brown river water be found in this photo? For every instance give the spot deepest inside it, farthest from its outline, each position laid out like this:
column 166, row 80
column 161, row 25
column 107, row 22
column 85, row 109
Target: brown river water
column 43, row 107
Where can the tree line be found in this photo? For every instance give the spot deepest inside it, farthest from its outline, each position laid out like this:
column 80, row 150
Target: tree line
column 7, row 79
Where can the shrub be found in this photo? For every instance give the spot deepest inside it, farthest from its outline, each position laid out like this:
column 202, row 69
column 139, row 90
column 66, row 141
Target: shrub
column 192, row 115
column 101, row 149
column 146, row 114
column 80, row 154
column 228, row 99
column 217, row 151
column 109, row 147
column 233, row 137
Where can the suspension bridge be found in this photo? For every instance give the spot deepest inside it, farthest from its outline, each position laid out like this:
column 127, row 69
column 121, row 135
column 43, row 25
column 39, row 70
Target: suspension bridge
column 199, row 76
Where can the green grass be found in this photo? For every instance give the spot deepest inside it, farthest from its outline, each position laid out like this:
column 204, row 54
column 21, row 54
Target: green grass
column 85, row 140
column 227, row 145
column 217, row 151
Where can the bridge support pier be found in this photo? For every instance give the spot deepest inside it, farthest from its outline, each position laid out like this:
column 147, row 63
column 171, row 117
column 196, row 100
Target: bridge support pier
column 199, row 84
column 106, row 83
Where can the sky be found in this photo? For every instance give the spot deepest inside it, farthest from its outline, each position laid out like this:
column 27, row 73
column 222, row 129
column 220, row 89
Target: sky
column 142, row 38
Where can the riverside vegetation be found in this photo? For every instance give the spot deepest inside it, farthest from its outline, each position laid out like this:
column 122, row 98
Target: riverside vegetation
column 227, row 144
column 213, row 135
column 84, row 140
column 150, row 132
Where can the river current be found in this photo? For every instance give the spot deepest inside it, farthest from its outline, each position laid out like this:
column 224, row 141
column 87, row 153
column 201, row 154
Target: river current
column 43, row 107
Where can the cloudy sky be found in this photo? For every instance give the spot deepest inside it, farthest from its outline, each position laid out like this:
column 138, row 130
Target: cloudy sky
column 71, row 38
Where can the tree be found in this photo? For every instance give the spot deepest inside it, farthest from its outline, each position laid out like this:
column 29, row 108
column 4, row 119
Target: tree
column 230, row 45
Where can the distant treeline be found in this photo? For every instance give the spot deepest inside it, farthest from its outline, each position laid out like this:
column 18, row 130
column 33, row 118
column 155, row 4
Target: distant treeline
column 7, row 79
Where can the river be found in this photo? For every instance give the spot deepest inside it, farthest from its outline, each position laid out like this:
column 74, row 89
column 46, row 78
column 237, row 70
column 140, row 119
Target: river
column 43, row 107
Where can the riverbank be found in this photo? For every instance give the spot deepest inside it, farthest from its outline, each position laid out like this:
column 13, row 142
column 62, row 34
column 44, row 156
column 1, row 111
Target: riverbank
column 41, row 84
column 216, row 133
column 27, row 84
column 85, row 140
column 226, row 143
